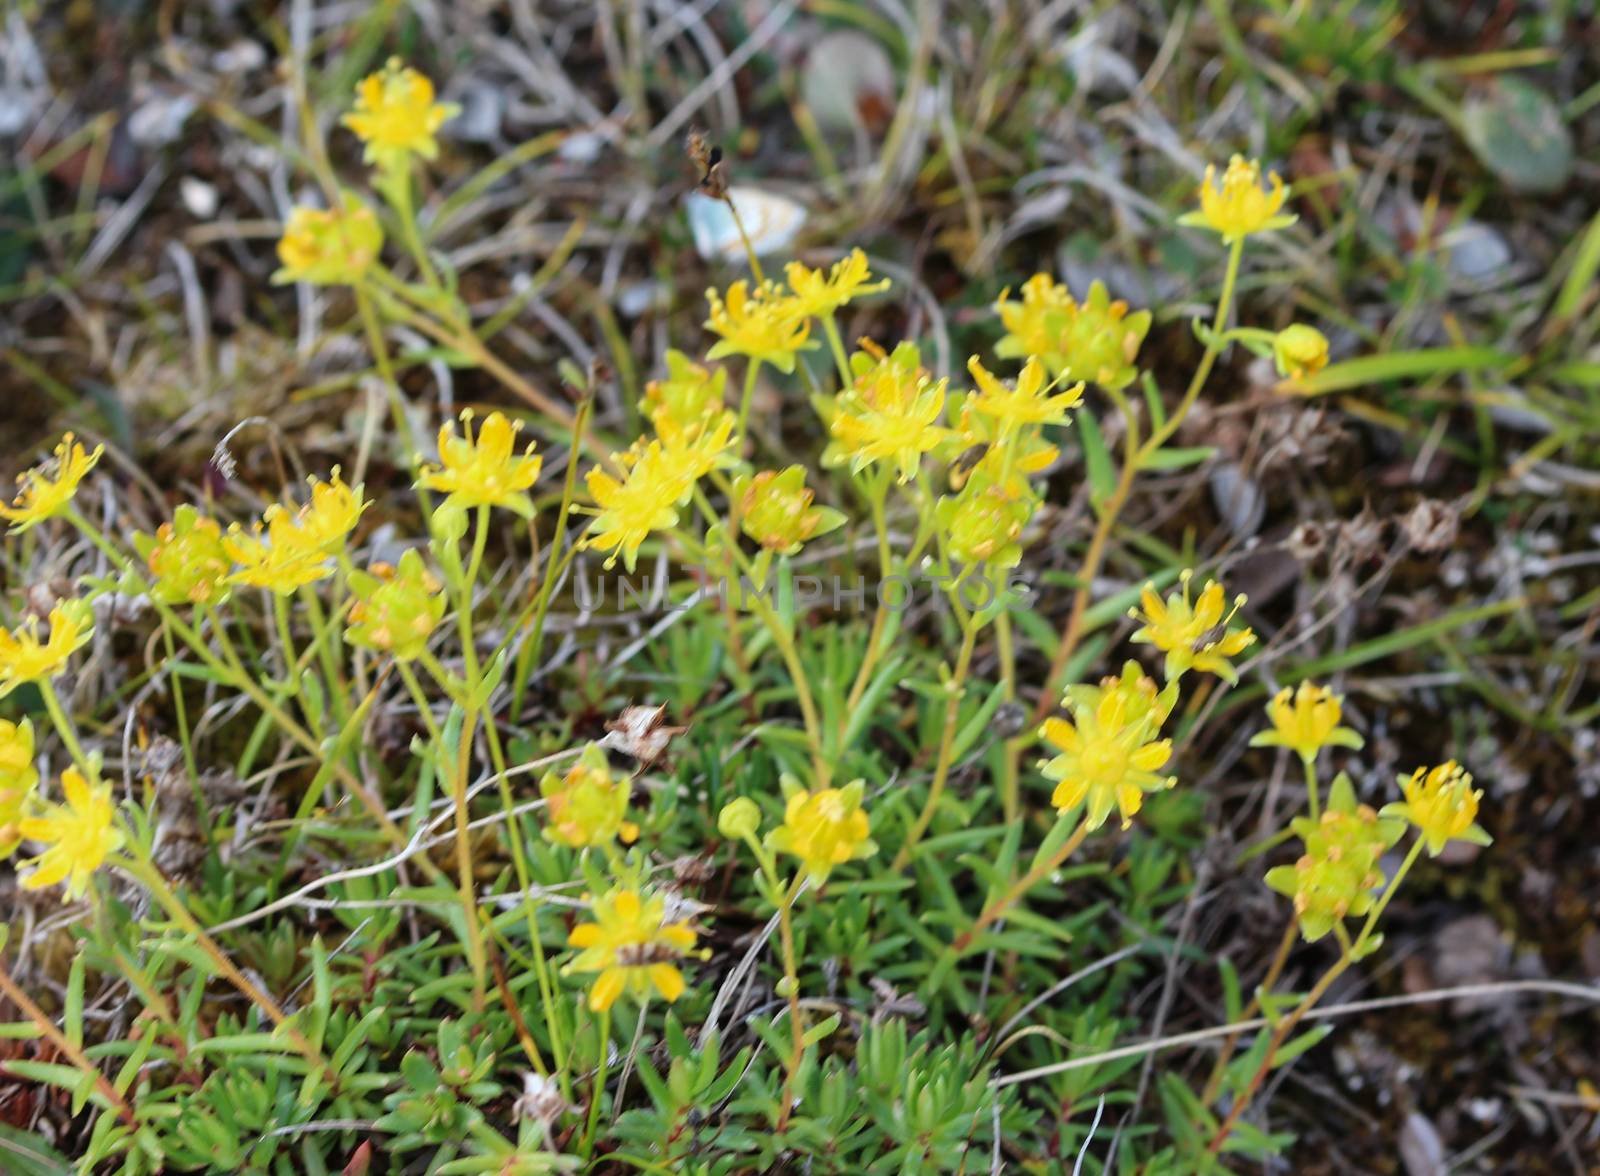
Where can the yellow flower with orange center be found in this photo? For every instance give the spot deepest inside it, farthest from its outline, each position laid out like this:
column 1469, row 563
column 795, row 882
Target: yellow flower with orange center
column 78, row 835
column 777, row 511
column 46, row 490
column 484, row 470
column 24, row 658
column 187, row 559
column 1194, row 636
column 396, row 609
column 1239, row 206
column 1096, row 339
column 632, row 946
column 396, row 116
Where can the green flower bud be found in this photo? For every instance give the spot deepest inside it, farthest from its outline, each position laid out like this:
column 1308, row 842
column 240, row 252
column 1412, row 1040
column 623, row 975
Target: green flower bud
column 187, row 559
column 396, row 609
column 775, row 510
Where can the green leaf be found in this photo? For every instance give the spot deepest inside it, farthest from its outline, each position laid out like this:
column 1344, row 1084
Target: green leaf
column 1401, row 365
column 1518, row 133
column 1101, row 469
column 1177, row 459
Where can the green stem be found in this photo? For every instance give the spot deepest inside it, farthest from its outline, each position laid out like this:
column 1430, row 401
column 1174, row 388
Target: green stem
column 791, row 978
column 114, row 1100
column 1136, row 455
column 955, row 688
column 144, row 870
column 597, row 1092
column 836, row 344
column 1350, row 953
column 397, row 186
column 528, row 654
column 750, row 373
column 1313, row 804
column 63, row 726
column 1020, row 887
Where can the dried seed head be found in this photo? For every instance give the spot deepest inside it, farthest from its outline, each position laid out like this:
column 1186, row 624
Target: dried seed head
column 1431, row 525
column 640, row 731
column 1308, row 542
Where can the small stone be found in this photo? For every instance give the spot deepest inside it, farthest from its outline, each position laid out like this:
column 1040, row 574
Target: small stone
column 199, row 197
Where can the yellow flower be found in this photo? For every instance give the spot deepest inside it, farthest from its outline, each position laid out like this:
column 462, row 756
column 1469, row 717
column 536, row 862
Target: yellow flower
column 396, row 609
column 632, row 947
column 283, row 557
column 776, row 510
column 1140, row 700
column 24, row 658
column 1239, row 206
column 79, row 835
column 824, row 829
column 187, row 559
column 18, row 778
column 1184, row 631
column 645, row 500
column 817, row 293
column 47, row 490
column 1306, row 724
column 586, row 806
column 1096, row 339
column 696, row 452
column 766, row 325
column 332, row 513
column 396, row 115
column 484, row 471
column 1299, row 351
column 1108, row 756
column 327, row 247
column 689, row 398
column 1028, row 403
column 1336, row 876
column 1442, row 804
column 889, row 413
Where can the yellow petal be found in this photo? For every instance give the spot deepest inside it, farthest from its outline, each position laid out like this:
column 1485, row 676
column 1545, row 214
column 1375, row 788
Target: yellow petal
column 668, row 981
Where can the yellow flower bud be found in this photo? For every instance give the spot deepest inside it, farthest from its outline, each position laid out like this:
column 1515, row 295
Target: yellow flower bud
column 1299, row 351
column 739, row 819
